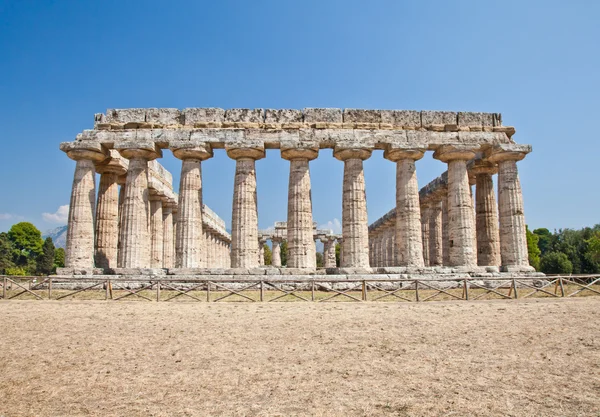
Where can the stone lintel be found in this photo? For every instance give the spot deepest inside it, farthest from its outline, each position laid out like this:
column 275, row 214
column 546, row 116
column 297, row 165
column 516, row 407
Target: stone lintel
column 507, row 152
column 191, row 150
column 282, row 116
column 146, row 150
column 447, row 153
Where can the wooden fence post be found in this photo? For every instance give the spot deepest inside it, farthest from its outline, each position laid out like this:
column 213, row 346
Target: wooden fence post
column 4, row 289
column 208, row 291
column 562, row 288
column 262, row 291
column 312, row 290
column 466, row 290
column 364, row 290
column 49, row 288
column 417, row 290
column 514, row 287
column 157, row 291
column 106, row 289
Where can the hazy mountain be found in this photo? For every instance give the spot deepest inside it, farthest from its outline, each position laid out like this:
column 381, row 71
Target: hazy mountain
column 58, row 235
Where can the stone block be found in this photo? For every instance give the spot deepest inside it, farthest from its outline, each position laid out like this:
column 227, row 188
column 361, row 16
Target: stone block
column 487, row 119
column 257, row 271
column 410, row 118
column 432, row 118
column 321, row 115
column 125, row 116
column 192, row 116
column 165, row 117
column 244, row 115
column 280, row 116
column 470, row 119
column 361, row 116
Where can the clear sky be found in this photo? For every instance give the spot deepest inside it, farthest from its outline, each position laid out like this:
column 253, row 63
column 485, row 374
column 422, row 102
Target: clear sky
column 536, row 62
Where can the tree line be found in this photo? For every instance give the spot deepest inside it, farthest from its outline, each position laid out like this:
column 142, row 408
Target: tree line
column 24, row 252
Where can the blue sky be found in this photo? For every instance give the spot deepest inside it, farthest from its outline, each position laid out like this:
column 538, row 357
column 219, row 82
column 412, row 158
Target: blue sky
column 536, row 62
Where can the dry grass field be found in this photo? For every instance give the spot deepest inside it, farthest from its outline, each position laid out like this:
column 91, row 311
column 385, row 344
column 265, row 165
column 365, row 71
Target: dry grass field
column 515, row 357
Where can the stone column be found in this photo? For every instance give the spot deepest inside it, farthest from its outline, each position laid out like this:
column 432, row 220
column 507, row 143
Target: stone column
column 513, row 239
column 276, row 252
column 156, row 232
column 408, row 210
column 486, row 215
column 79, row 253
column 244, row 221
column 107, row 211
column 329, row 252
column 122, row 181
column 261, row 250
column 135, row 237
column 425, row 233
column 301, row 249
column 435, row 234
column 190, row 247
column 390, row 231
column 355, row 227
column 340, row 241
column 168, row 247
column 445, row 231
column 460, row 205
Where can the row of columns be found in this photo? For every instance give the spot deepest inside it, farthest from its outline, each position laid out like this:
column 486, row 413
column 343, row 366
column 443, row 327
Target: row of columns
column 329, row 259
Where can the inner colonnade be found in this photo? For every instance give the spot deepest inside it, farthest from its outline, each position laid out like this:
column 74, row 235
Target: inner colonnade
column 466, row 142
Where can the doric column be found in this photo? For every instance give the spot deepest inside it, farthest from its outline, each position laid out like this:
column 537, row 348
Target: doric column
column 329, row 252
column 190, row 247
column 340, row 241
column 460, row 205
column 486, row 215
column 435, row 234
column 390, row 231
column 408, row 210
column 301, row 248
column 122, row 181
column 513, row 240
column 445, row 230
column 276, row 252
column 261, row 250
column 244, row 220
column 79, row 252
column 135, row 238
column 156, row 232
column 168, row 247
column 107, row 210
column 355, row 227
column 425, row 233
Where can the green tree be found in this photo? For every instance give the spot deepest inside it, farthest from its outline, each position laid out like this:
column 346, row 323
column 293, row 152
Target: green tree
column 284, row 252
column 6, row 253
column 45, row 262
column 556, row 263
column 533, row 248
column 319, row 260
column 27, row 241
column 59, row 258
column 267, row 254
column 545, row 240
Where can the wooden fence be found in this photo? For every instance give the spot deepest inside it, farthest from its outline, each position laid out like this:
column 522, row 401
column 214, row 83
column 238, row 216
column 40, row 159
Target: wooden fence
column 319, row 289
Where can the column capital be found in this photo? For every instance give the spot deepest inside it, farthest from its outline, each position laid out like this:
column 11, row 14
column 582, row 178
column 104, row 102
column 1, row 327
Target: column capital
column 343, row 154
column 191, row 150
column 114, row 164
column 77, row 151
column 308, row 153
column 252, row 152
column 447, row 153
column 146, row 150
column 508, row 152
column 396, row 153
column 482, row 166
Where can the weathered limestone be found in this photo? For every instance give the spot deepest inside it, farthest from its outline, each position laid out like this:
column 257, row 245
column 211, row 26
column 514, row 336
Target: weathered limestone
column 513, row 240
column 355, row 227
column 134, row 229
column 190, row 242
column 168, row 237
column 389, row 242
column 486, row 215
column 244, row 221
column 156, row 232
column 460, row 204
column 107, row 214
column 329, row 252
column 435, row 234
column 408, row 211
column 276, row 252
column 445, row 231
column 301, row 248
column 79, row 252
column 425, row 233
column 262, row 240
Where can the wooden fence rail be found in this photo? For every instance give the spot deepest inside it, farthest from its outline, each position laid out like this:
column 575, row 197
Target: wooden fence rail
column 319, row 289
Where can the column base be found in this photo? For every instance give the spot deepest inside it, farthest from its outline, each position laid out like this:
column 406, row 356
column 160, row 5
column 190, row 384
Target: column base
column 517, row 268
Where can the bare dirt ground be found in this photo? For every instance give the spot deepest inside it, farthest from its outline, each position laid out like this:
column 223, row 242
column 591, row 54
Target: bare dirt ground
column 514, row 357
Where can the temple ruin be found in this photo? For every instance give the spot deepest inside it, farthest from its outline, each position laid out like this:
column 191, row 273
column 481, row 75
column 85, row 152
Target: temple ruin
column 139, row 226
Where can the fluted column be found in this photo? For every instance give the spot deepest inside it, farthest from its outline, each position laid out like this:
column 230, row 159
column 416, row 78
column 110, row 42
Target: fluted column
column 355, row 227
column 168, row 247
column 486, row 215
column 190, row 247
column 340, row 241
column 460, row 205
column 301, row 248
column 435, row 234
column 408, row 210
column 244, row 223
column 261, row 251
column 79, row 253
column 445, row 231
column 135, row 236
column 513, row 240
column 107, row 219
column 390, row 231
column 156, row 232
column 425, row 233
column 276, row 252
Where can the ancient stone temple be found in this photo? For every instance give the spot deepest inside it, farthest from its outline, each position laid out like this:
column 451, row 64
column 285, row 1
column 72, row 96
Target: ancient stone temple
column 138, row 225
